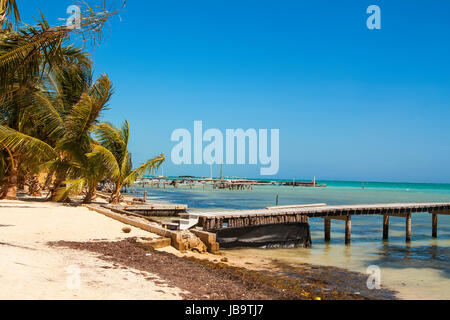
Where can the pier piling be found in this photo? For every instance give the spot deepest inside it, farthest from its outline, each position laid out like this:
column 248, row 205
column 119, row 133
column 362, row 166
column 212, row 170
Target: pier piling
column 348, row 229
column 327, row 226
column 385, row 227
column 434, row 223
column 408, row 227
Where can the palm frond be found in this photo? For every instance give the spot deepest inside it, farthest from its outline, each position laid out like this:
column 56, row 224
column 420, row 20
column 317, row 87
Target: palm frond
column 28, row 146
column 8, row 8
column 126, row 165
column 47, row 113
column 21, row 53
column 125, row 132
column 101, row 93
column 110, row 137
column 77, row 121
column 151, row 165
column 70, row 81
column 106, row 158
column 74, row 186
column 34, row 44
column 86, row 112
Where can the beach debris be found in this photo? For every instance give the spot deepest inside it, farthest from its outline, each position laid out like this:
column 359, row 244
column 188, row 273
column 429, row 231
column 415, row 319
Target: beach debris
column 192, row 242
column 126, row 229
column 224, row 259
column 231, row 282
column 152, row 244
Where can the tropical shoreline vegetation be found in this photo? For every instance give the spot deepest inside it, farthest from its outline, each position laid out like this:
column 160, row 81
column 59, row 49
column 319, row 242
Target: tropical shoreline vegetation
column 52, row 138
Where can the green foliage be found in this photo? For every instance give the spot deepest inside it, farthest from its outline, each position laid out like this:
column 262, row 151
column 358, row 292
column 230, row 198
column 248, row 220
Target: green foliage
column 112, row 152
column 50, row 106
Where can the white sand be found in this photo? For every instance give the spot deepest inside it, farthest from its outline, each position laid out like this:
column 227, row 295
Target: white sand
column 29, row 269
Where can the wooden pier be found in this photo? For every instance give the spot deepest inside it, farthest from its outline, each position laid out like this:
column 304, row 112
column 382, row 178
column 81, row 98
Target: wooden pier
column 312, row 184
column 301, row 214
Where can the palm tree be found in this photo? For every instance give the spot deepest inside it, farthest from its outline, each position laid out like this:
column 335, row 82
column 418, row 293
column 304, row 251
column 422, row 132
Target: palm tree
column 86, row 179
column 27, row 110
column 27, row 57
column 59, row 111
column 20, row 146
column 7, row 8
column 67, row 138
column 18, row 141
column 69, row 127
column 112, row 152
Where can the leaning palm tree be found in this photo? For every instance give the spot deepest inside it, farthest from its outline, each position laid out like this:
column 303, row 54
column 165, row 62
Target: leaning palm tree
column 69, row 127
column 19, row 146
column 112, row 152
column 84, row 180
column 26, row 55
column 18, row 141
column 31, row 113
column 63, row 148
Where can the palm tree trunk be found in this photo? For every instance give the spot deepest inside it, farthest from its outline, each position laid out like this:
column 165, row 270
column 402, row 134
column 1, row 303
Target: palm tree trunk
column 9, row 189
column 115, row 197
column 91, row 194
column 48, row 180
column 21, row 182
column 60, row 178
column 35, row 187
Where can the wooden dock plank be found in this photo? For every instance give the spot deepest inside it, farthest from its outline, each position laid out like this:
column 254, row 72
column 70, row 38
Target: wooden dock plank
column 321, row 211
column 156, row 206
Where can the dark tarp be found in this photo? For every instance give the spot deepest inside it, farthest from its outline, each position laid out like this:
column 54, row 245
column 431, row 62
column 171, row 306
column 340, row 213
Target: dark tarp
column 286, row 235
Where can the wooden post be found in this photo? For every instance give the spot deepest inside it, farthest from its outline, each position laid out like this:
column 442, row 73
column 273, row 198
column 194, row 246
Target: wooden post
column 145, row 196
column 348, row 229
column 385, row 227
column 435, row 224
column 408, row 227
column 327, row 224
column 276, row 202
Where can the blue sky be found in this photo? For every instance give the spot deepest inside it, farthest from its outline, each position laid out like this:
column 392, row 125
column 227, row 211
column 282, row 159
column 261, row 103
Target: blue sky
column 350, row 103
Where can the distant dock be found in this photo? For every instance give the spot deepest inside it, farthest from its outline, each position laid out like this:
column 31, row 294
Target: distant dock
column 221, row 183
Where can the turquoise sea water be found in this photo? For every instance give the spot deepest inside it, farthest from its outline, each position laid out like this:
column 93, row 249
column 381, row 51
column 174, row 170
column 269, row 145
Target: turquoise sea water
column 420, row 269
column 336, row 192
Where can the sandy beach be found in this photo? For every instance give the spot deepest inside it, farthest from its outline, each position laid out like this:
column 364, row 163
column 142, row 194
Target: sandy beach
column 30, row 269
column 56, row 251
